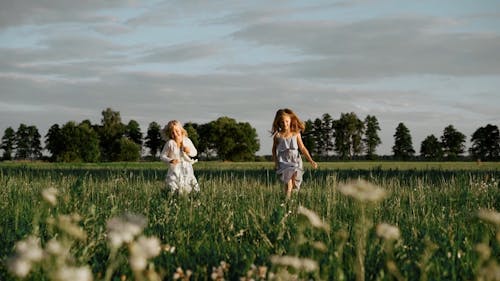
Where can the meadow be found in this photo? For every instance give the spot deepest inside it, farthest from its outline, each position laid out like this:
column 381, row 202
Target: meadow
column 350, row 221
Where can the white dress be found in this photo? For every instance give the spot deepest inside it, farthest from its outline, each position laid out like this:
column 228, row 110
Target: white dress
column 180, row 176
column 289, row 160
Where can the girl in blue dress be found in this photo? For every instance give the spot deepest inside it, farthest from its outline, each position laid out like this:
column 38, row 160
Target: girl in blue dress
column 287, row 142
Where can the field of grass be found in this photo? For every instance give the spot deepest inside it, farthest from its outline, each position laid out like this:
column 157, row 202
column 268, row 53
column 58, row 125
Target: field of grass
column 350, row 221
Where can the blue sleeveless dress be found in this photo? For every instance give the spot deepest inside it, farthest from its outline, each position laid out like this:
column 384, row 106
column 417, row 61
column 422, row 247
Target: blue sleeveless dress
column 289, row 160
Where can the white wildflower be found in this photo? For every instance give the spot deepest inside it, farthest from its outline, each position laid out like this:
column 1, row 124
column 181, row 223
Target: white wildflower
column 27, row 252
column 68, row 224
column 74, row 274
column 55, row 248
column 490, row 216
column 388, row 232
column 50, row 195
column 363, row 191
column 483, row 250
column 29, row 249
column 124, row 229
column 142, row 250
column 19, row 267
column 295, row 262
column 313, row 218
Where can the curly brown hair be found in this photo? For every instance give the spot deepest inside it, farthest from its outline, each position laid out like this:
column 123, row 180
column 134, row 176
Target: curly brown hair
column 296, row 125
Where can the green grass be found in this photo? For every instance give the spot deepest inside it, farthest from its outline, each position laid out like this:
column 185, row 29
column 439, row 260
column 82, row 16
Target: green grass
column 242, row 218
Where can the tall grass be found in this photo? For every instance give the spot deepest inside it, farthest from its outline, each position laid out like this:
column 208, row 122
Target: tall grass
column 242, row 219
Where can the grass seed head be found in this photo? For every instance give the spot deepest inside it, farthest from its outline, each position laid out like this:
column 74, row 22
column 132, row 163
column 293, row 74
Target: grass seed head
column 388, row 232
column 363, row 191
column 50, row 195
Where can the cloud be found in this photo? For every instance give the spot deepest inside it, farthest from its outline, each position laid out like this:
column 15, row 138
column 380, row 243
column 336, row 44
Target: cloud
column 28, row 12
column 377, row 48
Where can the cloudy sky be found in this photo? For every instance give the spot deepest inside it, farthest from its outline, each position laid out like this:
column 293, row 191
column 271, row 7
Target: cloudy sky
column 425, row 63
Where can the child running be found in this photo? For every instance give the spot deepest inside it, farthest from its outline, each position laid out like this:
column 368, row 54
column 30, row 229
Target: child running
column 287, row 142
column 177, row 153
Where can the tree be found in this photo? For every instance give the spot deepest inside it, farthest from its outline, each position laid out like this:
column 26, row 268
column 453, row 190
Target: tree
column 28, row 144
column 133, row 132
column 8, row 143
column 88, row 141
column 129, row 150
column 192, row 131
column 403, row 147
column 110, row 133
column 153, row 139
column 206, row 141
column 54, row 142
column 371, row 140
column 79, row 143
column 319, row 145
column 348, row 132
column 308, row 137
column 234, row 141
column 431, row 148
column 452, row 142
column 486, row 143
column 323, row 135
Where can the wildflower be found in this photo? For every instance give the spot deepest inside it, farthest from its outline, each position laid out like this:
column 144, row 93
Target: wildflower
column 68, row 224
column 490, row 216
column 74, row 274
column 295, row 262
column 19, row 267
column 55, row 248
column 388, row 232
column 363, row 191
column 50, row 195
column 124, row 229
column 255, row 273
column 142, row 250
column 218, row 272
column 28, row 251
column 180, row 275
column 313, row 218
column 169, row 249
column 483, row 250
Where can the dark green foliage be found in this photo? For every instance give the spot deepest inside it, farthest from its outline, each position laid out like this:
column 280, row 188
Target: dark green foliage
column 403, row 146
column 8, row 143
column 431, row 148
column 486, row 143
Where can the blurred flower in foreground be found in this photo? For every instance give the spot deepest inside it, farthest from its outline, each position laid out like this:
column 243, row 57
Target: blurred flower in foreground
column 313, row 218
column 123, row 229
column 363, row 191
column 219, row 272
column 388, row 232
column 74, row 274
column 295, row 262
column 181, row 275
column 489, row 216
column 27, row 252
column 50, row 195
column 142, row 250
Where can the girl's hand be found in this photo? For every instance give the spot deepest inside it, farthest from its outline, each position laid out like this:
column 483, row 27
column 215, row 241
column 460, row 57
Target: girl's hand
column 174, row 161
column 314, row 164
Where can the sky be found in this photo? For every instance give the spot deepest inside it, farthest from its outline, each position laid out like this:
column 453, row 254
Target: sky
column 427, row 63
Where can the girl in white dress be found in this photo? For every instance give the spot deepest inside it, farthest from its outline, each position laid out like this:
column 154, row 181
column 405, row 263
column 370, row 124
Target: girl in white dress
column 287, row 142
column 177, row 153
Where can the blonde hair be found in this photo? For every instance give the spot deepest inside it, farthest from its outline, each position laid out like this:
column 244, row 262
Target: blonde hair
column 296, row 125
column 166, row 133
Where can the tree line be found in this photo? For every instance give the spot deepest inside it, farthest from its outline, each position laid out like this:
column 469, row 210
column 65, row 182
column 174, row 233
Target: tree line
column 346, row 138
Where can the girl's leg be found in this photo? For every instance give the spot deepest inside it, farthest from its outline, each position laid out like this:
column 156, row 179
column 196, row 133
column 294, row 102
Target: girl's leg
column 288, row 188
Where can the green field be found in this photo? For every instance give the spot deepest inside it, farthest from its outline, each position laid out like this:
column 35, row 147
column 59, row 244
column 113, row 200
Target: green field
column 241, row 223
